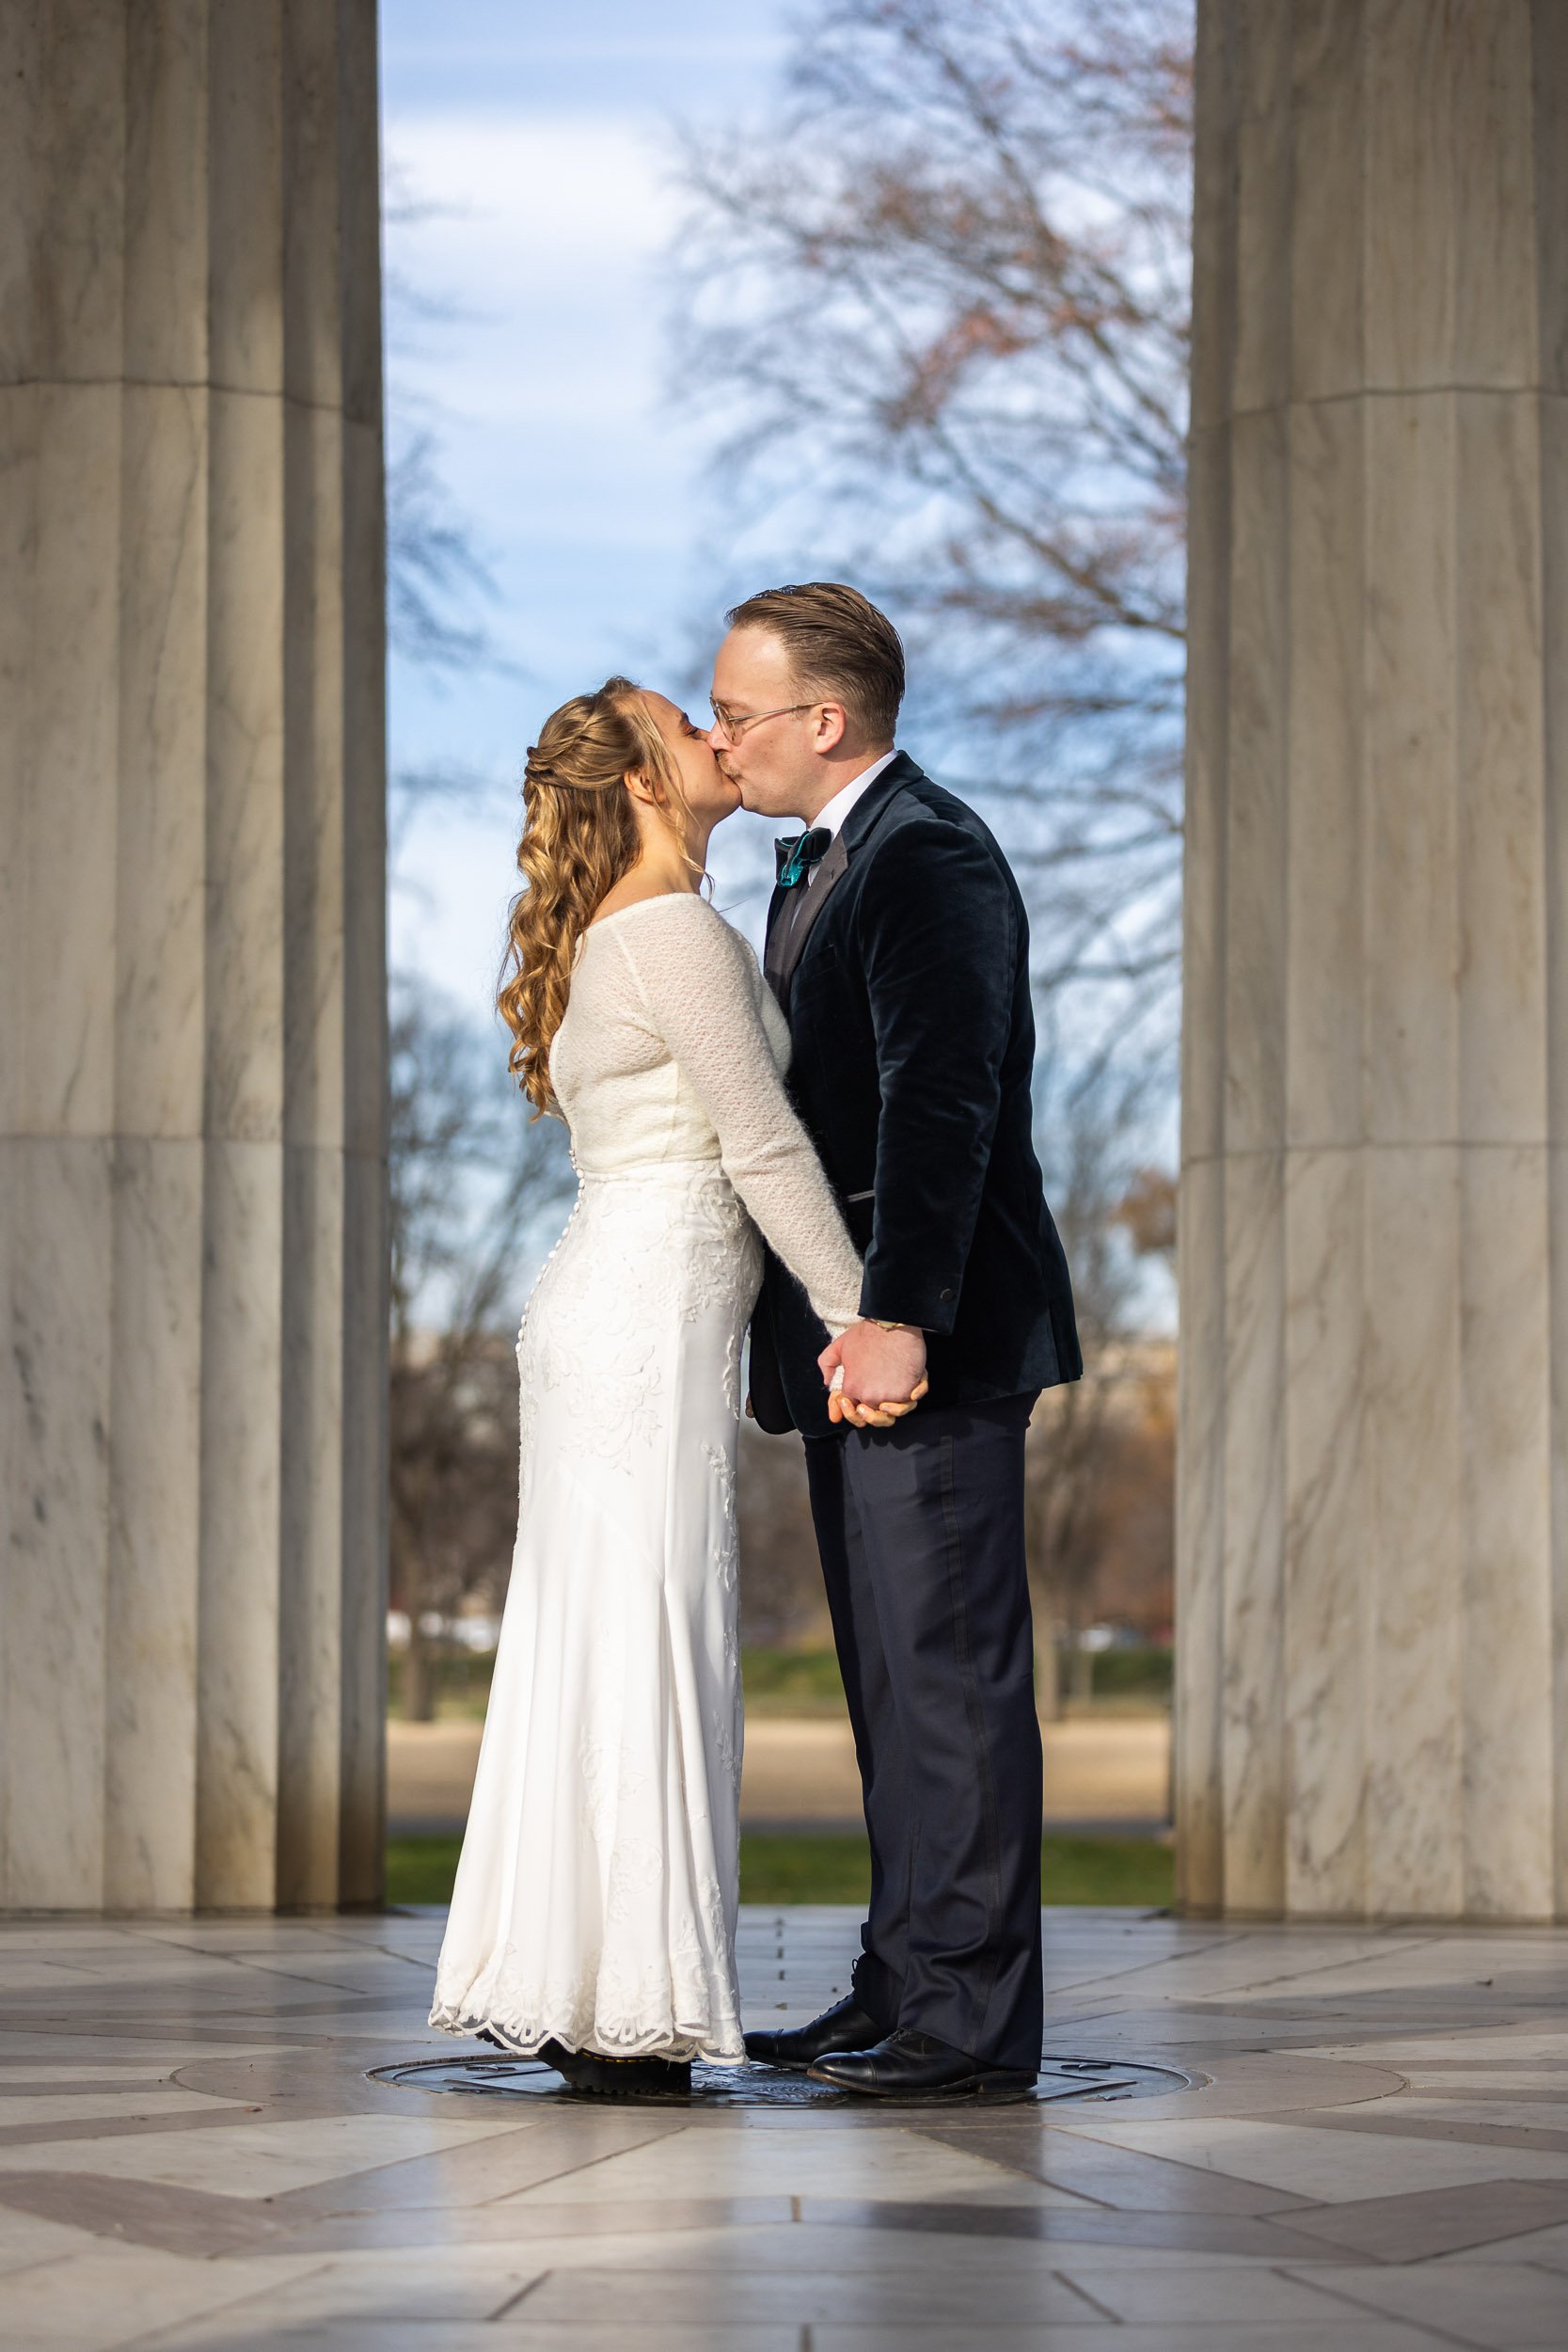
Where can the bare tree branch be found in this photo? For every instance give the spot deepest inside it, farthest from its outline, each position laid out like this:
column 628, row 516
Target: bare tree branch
column 937, row 313
column 434, row 570
column 472, row 1181
column 438, row 580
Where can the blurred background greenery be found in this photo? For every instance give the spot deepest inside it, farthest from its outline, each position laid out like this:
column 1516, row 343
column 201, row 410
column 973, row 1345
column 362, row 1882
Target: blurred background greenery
column 780, row 1680
column 834, row 1869
column 959, row 380
column 805, row 1864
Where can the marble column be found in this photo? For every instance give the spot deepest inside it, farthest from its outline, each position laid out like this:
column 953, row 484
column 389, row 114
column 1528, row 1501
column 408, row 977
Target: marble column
column 192, row 1074
column 1373, row 1602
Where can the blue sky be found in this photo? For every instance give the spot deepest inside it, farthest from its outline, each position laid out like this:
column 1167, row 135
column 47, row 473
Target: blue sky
column 537, row 139
column 541, row 139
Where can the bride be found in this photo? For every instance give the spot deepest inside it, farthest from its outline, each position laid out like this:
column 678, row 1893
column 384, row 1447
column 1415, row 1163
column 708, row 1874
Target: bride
column 593, row 1919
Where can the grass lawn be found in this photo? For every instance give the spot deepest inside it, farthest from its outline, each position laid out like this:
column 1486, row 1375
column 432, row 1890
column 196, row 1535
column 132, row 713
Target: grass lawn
column 804, row 1682
column 836, row 1869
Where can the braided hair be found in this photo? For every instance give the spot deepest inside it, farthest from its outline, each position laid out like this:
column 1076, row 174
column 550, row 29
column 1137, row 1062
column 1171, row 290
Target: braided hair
column 580, row 836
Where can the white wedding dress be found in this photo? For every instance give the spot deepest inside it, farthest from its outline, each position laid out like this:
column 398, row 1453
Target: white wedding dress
column 597, row 1890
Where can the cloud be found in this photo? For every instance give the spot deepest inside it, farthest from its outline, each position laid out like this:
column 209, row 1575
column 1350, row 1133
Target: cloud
column 560, row 186
column 548, row 376
column 551, row 206
column 701, row 53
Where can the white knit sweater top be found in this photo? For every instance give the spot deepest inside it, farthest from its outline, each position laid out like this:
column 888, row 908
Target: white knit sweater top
column 672, row 1051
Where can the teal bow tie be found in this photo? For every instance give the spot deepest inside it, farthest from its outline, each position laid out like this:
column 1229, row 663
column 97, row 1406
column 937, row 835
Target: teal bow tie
column 798, row 853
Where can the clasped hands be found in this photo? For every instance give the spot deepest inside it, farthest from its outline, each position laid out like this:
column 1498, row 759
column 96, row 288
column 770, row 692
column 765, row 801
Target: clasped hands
column 874, row 1376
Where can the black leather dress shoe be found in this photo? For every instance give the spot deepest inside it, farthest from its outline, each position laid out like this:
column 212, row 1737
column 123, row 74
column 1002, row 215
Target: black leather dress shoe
column 912, row 2065
column 844, row 2027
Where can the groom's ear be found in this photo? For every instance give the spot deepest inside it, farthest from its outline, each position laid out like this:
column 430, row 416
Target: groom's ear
column 832, row 722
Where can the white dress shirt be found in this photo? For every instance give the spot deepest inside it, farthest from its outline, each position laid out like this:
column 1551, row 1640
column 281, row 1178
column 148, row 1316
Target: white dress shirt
column 829, row 818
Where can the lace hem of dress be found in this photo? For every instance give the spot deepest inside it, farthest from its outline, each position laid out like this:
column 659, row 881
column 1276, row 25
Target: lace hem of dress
column 524, row 2037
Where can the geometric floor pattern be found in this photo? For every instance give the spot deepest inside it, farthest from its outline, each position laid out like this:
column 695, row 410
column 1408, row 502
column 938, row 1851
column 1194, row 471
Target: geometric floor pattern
column 1366, row 2151
column 1065, row 2081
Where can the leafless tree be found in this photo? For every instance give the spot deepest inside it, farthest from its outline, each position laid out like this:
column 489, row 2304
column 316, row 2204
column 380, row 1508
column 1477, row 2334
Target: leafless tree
column 936, row 308
column 1098, row 1458
column 782, row 1596
column 1147, row 1214
column 470, row 1177
column 939, row 305
column 440, row 582
column 472, row 1182
column 436, row 575
column 1090, row 1437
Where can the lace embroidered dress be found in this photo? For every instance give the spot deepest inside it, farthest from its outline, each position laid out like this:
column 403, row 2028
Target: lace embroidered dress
column 597, row 1890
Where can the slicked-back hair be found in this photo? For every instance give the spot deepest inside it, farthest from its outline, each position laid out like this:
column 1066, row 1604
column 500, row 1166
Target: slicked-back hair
column 838, row 644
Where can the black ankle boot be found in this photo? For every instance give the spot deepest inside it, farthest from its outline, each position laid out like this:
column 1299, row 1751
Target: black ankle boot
column 619, row 2077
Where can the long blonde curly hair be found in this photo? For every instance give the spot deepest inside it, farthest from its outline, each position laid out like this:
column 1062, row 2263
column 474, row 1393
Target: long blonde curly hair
column 580, row 836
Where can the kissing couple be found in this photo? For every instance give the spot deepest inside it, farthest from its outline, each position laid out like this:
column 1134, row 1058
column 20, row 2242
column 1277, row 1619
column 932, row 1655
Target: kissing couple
column 837, row 1149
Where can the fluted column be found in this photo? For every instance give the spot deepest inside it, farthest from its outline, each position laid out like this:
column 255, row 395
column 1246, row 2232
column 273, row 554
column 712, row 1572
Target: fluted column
column 192, row 1081
column 1374, row 1544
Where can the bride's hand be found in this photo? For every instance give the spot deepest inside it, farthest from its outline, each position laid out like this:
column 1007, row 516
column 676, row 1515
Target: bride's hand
column 878, row 1370
column 863, row 1416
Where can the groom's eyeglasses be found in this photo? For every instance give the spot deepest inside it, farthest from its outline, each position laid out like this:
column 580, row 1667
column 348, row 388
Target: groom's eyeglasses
column 732, row 724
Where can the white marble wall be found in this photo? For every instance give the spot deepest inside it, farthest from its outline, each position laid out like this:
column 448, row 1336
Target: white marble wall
column 192, row 1085
column 1373, row 1508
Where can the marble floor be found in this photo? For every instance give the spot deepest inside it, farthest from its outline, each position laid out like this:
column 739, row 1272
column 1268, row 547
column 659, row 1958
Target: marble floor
column 1364, row 2148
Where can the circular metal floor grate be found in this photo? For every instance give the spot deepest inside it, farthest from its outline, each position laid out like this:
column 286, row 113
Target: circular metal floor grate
column 1063, row 2082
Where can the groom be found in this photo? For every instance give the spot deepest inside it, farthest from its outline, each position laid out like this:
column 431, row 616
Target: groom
column 899, row 949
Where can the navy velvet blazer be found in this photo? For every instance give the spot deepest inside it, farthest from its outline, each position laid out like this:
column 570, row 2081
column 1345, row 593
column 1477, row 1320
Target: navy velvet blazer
column 913, row 1035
